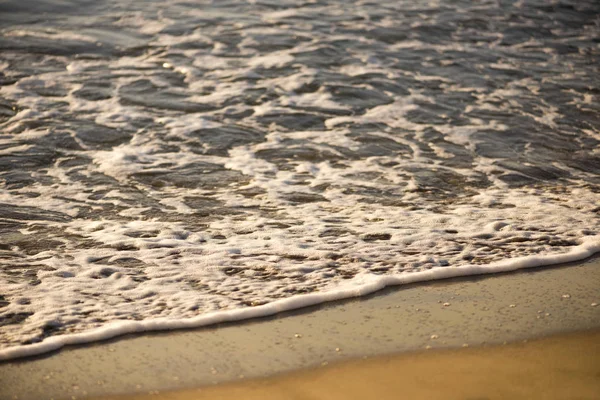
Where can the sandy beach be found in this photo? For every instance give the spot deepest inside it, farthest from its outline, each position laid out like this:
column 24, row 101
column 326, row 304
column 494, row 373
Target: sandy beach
column 420, row 321
column 562, row 367
column 323, row 199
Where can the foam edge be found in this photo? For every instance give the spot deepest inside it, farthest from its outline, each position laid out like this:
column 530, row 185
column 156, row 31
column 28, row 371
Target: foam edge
column 589, row 247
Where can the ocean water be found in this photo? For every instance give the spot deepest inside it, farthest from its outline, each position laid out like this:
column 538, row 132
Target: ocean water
column 168, row 164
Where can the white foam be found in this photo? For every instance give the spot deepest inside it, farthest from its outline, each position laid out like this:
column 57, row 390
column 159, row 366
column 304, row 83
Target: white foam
column 49, row 34
column 367, row 284
column 317, row 209
column 275, row 59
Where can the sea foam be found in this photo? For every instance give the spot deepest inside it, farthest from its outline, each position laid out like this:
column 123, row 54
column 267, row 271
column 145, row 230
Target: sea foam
column 167, row 167
column 364, row 286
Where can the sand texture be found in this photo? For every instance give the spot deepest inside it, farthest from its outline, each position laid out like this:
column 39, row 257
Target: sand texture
column 563, row 367
column 443, row 314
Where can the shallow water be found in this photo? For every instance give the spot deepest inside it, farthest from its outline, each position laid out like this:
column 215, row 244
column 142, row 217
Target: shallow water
column 168, row 159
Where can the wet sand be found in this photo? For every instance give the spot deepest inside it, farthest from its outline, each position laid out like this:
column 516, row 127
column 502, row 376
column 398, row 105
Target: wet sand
column 563, row 367
column 436, row 315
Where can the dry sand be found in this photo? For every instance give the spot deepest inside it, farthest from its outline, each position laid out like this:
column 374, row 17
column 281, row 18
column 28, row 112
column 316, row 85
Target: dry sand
column 564, row 367
column 442, row 314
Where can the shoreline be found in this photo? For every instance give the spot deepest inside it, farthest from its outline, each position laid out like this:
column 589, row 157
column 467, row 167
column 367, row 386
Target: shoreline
column 440, row 314
column 368, row 285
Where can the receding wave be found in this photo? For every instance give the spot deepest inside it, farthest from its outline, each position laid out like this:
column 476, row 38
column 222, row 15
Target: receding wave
column 175, row 164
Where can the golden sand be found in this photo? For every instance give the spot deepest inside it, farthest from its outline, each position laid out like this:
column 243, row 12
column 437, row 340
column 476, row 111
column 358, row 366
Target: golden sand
column 562, row 367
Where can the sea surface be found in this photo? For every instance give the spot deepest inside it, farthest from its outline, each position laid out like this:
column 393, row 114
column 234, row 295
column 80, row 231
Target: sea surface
column 168, row 164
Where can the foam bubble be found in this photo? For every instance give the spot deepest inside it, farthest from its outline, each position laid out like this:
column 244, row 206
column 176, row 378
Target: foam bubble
column 225, row 163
